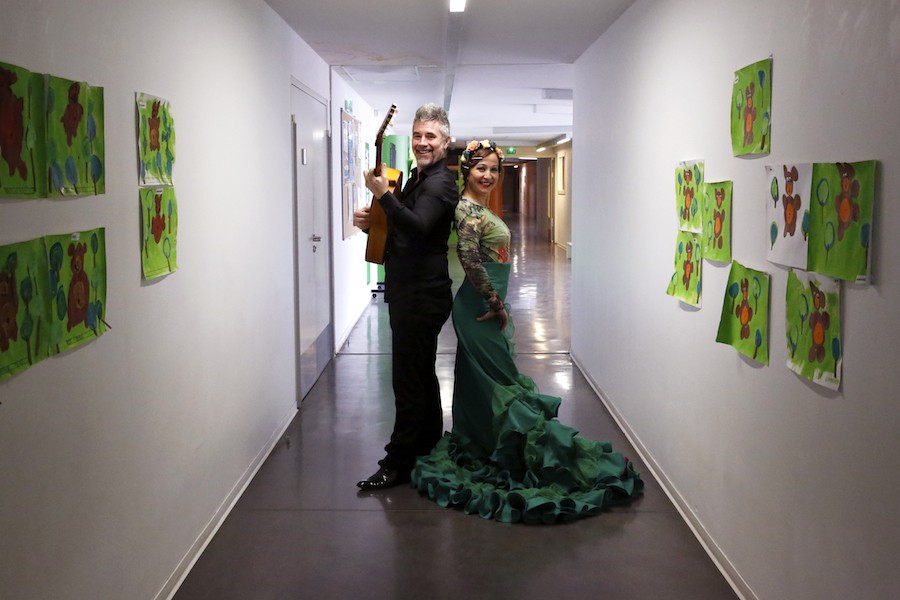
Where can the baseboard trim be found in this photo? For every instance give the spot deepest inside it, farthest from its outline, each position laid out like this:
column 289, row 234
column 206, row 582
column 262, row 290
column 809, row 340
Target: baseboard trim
column 187, row 562
column 731, row 574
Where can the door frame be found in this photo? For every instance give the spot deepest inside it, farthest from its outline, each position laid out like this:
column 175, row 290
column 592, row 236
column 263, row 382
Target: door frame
column 327, row 207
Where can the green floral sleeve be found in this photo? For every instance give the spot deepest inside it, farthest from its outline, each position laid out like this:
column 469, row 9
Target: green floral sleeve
column 472, row 225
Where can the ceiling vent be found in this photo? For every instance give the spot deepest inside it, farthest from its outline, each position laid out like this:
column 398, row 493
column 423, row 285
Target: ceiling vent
column 381, row 73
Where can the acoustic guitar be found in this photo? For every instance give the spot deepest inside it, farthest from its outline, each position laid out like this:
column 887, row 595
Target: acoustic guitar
column 378, row 226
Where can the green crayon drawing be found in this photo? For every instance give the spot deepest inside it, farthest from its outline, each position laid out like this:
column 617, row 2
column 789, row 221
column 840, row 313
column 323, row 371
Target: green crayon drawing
column 685, row 283
column 23, row 158
column 840, row 226
column 77, row 266
column 744, row 323
column 156, row 140
column 812, row 315
column 75, row 138
column 159, row 217
column 751, row 109
column 24, row 306
column 717, row 221
column 689, row 189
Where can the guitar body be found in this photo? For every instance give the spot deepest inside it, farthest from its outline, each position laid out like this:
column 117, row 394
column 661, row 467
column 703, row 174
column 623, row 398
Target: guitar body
column 378, row 228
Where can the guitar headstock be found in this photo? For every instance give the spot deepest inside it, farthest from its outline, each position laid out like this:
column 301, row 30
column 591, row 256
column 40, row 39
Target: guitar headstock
column 384, row 125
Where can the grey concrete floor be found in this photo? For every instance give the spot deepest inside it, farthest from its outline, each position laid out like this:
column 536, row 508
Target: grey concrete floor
column 302, row 530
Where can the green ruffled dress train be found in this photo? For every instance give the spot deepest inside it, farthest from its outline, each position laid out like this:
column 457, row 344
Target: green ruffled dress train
column 508, row 458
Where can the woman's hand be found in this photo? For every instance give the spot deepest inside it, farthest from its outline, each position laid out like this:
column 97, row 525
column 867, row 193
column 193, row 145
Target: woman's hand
column 500, row 315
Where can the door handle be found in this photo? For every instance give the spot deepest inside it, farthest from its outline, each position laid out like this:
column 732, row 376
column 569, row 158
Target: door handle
column 316, row 238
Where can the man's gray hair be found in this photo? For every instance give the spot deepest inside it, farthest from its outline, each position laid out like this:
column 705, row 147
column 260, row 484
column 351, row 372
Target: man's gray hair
column 434, row 112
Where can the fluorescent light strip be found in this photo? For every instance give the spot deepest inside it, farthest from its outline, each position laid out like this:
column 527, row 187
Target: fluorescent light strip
column 457, row 6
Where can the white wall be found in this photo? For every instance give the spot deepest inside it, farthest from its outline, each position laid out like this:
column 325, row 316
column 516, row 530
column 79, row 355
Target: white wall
column 794, row 486
column 562, row 214
column 351, row 290
column 118, row 458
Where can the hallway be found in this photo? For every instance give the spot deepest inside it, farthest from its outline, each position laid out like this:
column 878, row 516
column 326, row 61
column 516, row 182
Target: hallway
column 302, row 530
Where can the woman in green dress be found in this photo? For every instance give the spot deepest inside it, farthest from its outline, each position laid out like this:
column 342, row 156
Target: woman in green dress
column 507, row 458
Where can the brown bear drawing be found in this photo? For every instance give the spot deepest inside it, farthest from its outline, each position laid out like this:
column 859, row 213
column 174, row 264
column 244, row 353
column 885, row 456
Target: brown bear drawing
column 79, row 288
column 12, row 126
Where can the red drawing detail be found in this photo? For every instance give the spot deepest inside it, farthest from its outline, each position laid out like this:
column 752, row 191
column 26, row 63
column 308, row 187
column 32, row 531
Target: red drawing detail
column 790, row 201
column 819, row 322
column 12, row 124
column 846, row 203
column 158, row 224
column 73, row 113
column 79, row 288
column 743, row 311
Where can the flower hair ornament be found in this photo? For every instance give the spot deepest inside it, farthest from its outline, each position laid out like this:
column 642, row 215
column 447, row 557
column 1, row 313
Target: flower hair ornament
column 468, row 159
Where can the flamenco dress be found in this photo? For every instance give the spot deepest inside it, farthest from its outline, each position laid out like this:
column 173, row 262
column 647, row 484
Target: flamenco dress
column 507, row 457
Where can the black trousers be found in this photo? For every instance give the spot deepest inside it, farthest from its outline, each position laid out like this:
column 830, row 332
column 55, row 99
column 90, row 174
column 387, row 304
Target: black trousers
column 416, row 322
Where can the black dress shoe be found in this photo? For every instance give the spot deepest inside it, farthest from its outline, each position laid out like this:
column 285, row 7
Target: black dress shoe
column 384, row 477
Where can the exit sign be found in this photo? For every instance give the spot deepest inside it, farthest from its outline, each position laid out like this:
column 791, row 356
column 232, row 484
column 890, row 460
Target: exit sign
column 511, row 150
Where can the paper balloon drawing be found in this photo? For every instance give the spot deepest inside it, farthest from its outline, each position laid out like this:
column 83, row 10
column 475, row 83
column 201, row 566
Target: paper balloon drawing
column 23, row 157
column 717, row 221
column 841, row 216
column 744, row 323
column 813, row 327
column 688, row 195
column 159, row 216
column 686, row 282
column 751, row 109
column 156, row 140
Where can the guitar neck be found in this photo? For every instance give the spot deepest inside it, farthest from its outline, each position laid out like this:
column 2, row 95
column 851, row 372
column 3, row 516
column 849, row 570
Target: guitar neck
column 378, row 144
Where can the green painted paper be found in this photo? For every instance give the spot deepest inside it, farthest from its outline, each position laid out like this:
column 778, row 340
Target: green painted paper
column 813, row 327
column 840, row 228
column 24, row 306
column 97, row 139
column 686, row 280
column 75, row 147
column 159, row 216
column 745, row 313
column 23, row 157
column 717, row 221
column 156, row 139
column 751, row 109
column 688, row 193
column 77, row 267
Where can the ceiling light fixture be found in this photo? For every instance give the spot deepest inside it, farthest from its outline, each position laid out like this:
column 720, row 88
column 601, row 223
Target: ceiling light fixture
column 457, row 6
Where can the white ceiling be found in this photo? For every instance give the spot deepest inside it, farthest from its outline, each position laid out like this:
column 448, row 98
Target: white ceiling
column 503, row 68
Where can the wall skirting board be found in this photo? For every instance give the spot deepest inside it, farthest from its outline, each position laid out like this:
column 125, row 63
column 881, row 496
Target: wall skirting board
column 218, row 518
column 740, row 587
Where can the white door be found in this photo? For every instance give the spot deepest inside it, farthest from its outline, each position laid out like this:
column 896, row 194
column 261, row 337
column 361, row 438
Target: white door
column 312, row 243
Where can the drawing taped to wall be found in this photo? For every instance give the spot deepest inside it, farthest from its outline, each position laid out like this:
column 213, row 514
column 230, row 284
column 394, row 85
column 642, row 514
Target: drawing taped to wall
column 686, row 282
column 23, row 133
column 744, row 323
column 24, row 306
column 841, row 220
column 159, row 217
column 75, row 138
column 813, row 327
column 77, row 268
column 156, row 140
column 787, row 212
column 52, row 297
column 717, row 221
column 751, row 109
column 689, row 183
